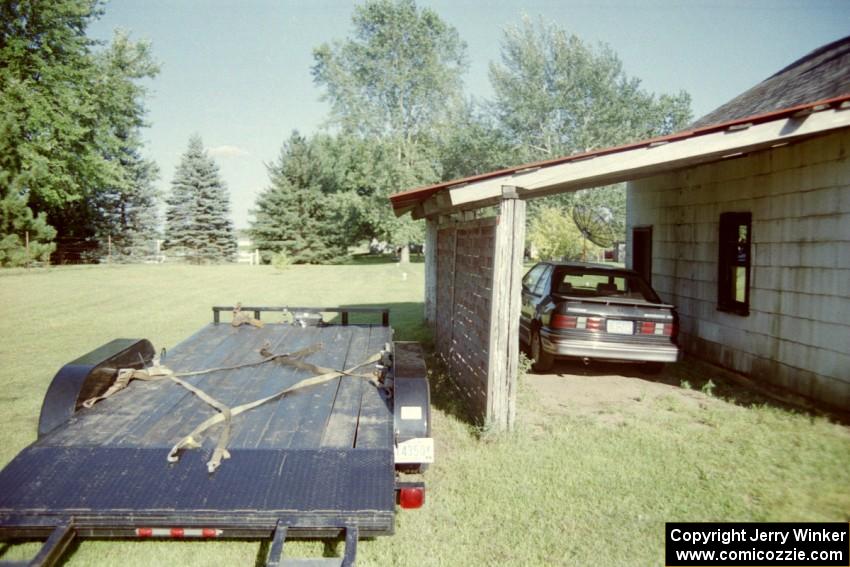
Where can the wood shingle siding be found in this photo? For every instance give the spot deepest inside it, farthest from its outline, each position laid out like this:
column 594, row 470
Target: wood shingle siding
column 797, row 334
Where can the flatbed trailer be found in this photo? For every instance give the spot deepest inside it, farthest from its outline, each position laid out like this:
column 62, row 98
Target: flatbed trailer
column 320, row 461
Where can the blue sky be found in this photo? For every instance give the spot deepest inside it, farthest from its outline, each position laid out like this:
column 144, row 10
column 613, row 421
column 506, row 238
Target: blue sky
column 237, row 72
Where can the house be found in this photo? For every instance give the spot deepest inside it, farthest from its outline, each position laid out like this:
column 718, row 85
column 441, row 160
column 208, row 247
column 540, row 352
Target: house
column 754, row 249
column 741, row 220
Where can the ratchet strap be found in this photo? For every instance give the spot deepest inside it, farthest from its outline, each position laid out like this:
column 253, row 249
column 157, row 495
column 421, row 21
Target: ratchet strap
column 225, row 413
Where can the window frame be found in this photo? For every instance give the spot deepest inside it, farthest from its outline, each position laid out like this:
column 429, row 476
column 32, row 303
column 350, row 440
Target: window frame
column 730, row 256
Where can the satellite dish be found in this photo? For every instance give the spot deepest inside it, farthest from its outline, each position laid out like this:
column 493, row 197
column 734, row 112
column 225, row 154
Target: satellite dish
column 595, row 224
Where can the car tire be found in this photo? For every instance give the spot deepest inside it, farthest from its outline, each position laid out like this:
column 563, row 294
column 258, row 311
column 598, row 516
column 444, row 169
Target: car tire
column 541, row 361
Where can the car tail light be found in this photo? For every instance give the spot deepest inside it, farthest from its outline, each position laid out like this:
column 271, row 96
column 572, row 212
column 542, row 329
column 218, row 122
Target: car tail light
column 559, row 321
column 650, row 328
column 412, row 497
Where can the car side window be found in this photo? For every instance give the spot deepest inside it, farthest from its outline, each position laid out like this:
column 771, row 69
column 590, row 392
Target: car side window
column 529, row 282
column 542, row 287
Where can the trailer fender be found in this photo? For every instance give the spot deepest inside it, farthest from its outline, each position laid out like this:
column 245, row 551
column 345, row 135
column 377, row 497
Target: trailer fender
column 89, row 376
column 411, row 401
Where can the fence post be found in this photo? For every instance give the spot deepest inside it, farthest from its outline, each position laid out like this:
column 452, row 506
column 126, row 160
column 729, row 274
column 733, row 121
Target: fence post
column 27, row 238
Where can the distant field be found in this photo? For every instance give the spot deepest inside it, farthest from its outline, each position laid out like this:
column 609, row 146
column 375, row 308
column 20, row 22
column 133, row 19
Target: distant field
column 564, row 489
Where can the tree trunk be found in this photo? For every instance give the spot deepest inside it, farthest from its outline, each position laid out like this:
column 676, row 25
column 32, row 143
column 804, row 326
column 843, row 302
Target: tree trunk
column 405, row 254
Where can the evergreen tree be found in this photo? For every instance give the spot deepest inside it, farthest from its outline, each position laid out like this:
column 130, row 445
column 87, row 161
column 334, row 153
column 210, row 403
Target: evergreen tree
column 66, row 110
column 293, row 215
column 197, row 213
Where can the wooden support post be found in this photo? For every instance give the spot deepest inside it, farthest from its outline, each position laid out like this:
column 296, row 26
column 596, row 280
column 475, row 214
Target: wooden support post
column 505, row 305
column 431, row 273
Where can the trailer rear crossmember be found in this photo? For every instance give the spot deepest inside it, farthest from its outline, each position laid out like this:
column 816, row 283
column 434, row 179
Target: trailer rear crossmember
column 317, row 462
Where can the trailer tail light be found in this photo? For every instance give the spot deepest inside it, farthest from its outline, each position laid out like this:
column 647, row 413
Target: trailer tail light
column 669, row 329
column 178, row 533
column 559, row 321
column 411, row 497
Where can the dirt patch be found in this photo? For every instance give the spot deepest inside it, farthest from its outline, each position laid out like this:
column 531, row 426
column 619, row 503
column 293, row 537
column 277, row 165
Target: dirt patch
column 611, row 392
column 607, row 392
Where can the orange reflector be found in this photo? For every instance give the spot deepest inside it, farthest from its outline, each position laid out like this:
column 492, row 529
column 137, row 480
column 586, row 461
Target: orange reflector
column 411, row 497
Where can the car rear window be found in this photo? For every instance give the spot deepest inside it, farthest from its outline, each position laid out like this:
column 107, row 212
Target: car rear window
column 590, row 283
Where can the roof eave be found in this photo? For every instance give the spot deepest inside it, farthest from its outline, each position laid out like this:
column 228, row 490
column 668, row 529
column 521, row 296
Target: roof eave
column 406, row 201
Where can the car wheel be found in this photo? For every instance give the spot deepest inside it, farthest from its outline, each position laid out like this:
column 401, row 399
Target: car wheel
column 541, row 360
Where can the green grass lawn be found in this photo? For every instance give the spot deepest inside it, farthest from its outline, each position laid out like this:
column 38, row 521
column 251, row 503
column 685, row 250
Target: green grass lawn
column 572, row 491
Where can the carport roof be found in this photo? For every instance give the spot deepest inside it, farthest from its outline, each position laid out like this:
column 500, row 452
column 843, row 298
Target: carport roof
column 778, row 110
column 632, row 161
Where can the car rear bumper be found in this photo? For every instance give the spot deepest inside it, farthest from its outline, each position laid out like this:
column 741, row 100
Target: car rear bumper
column 583, row 348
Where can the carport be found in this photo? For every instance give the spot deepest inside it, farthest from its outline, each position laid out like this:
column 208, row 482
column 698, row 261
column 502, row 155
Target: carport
column 475, row 235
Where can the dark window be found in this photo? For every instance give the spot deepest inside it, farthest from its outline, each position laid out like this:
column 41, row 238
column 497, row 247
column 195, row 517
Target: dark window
column 543, row 285
column 733, row 275
column 642, row 251
column 589, row 282
column 531, row 278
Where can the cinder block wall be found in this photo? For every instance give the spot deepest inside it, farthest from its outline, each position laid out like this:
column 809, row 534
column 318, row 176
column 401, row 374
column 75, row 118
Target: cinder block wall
column 797, row 334
column 464, row 292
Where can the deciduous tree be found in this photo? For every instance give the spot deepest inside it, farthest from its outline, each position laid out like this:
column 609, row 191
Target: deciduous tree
column 394, row 83
column 556, row 96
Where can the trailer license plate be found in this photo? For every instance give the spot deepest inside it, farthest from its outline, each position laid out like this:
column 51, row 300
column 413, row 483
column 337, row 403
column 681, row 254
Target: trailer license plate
column 621, row 327
column 419, row 450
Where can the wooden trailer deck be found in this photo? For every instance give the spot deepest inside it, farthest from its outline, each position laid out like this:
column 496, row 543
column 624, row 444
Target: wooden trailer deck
column 316, row 460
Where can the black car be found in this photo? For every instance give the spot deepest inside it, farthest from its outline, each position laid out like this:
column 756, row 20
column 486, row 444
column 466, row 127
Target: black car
column 593, row 311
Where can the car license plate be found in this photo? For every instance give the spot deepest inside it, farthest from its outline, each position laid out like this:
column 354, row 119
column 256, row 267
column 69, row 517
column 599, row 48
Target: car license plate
column 621, row 327
column 419, row 450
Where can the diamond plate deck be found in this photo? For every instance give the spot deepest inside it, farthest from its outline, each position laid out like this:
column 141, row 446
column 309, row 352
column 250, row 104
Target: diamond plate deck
column 317, row 458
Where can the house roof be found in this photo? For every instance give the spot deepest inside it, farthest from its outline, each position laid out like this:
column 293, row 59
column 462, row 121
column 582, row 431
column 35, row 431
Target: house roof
column 823, row 73
column 706, row 140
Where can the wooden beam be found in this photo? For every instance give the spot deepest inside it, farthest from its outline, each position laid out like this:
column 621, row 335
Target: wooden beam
column 434, row 206
column 431, row 272
column 648, row 160
column 505, row 305
column 418, row 212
